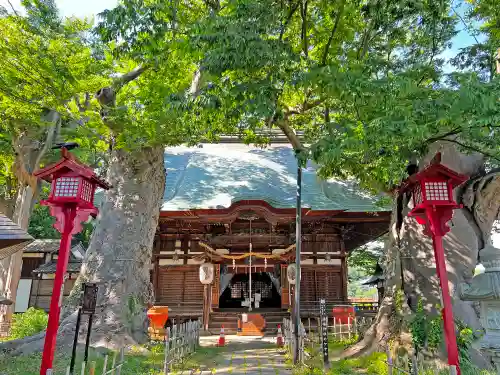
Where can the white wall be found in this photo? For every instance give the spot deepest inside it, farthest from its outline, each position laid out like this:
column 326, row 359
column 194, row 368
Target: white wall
column 23, row 295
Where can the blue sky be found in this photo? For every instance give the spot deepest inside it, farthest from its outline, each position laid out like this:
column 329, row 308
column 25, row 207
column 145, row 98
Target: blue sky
column 68, row 8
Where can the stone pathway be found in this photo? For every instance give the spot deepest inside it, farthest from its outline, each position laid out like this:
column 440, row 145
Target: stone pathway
column 249, row 356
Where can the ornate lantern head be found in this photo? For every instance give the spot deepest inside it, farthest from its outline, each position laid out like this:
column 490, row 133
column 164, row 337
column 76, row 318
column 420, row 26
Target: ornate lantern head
column 206, row 273
column 432, row 189
column 291, row 273
column 72, row 183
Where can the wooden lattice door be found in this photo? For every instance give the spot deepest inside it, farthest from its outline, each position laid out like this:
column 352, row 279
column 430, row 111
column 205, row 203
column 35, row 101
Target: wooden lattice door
column 285, row 288
column 216, row 287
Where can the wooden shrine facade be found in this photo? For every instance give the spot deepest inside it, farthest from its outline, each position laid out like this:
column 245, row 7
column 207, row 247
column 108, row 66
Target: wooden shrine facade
column 186, row 239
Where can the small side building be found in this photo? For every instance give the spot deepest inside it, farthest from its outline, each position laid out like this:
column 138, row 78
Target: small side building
column 38, row 272
column 377, row 280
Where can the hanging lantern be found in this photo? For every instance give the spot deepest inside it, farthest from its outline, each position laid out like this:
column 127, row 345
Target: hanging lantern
column 291, row 272
column 206, row 273
column 265, row 264
column 234, row 264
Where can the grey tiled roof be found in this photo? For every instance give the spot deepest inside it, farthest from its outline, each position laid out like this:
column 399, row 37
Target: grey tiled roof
column 43, row 246
column 49, row 246
column 217, row 175
column 12, row 237
column 50, row 267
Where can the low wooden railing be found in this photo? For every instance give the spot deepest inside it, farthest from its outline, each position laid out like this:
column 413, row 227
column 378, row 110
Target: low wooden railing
column 182, row 309
column 311, row 308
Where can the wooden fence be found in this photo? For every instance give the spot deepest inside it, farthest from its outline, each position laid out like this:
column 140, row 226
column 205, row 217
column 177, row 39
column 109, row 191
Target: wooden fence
column 90, row 369
column 180, row 340
column 352, row 328
column 289, row 337
column 416, row 365
column 309, row 336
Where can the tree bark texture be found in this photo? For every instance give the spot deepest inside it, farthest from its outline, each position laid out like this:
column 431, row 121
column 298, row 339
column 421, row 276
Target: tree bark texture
column 409, row 264
column 118, row 258
column 120, row 250
column 29, row 153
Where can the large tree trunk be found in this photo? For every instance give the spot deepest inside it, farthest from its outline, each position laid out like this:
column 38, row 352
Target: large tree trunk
column 120, row 251
column 118, row 257
column 409, row 265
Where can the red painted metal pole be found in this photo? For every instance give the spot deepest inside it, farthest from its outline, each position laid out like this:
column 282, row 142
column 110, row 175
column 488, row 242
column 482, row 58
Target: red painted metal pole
column 448, row 320
column 57, row 293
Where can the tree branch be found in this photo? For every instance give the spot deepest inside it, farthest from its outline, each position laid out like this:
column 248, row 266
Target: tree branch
column 130, row 76
column 454, row 131
column 13, row 9
column 290, row 134
column 196, row 83
column 306, row 106
column 49, row 139
column 364, row 45
column 472, row 148
column 332, row 34
column 214, row 5
column 288, row 19
column 303, row 14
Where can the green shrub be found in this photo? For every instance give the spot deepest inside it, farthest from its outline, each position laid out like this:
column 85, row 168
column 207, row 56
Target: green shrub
column 28, row 323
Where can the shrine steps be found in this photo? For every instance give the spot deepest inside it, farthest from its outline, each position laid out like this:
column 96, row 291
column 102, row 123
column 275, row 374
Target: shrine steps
column 229, row 319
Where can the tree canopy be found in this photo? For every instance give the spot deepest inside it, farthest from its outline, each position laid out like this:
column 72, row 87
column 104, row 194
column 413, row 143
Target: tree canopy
column 365, row 82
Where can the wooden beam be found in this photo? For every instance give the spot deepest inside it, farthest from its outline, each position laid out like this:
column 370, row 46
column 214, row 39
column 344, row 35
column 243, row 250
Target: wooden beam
column 185, row 247
column 343, row 269
column 156, row 276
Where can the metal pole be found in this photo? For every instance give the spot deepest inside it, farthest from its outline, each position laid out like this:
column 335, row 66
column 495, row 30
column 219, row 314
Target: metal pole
column 298, row 243
column 69, row 214
column 75, row 342
column 250, row 273
column 448, row 320
column 87, row 340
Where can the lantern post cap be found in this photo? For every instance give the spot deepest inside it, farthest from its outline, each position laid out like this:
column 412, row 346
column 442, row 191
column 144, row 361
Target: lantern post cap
column 68, row 163
column 434, row 170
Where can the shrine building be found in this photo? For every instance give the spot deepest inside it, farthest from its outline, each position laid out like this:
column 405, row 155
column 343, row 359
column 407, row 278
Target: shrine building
column 233, row 205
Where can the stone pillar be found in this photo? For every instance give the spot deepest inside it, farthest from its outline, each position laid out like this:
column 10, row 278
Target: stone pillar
column 485, row 289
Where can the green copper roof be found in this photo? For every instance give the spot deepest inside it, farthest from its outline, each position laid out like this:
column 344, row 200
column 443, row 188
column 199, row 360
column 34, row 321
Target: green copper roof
column 217, row 175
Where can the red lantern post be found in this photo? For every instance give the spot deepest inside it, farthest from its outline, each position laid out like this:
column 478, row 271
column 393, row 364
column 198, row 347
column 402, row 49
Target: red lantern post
column 71, row 203
column 433, row 205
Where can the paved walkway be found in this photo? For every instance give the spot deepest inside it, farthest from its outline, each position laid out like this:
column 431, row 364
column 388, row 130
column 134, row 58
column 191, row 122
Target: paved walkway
column 249, row 355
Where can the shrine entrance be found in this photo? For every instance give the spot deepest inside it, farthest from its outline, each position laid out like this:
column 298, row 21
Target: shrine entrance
column 265, row 292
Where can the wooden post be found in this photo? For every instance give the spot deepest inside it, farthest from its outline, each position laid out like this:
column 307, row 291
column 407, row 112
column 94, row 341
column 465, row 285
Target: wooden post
column 113, row 364
column 92, row 368
column 167, row 348
column 343, row 262
column 105, row 365
column 120, row 364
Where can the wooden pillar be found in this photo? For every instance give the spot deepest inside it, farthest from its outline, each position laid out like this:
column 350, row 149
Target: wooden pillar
column 156, row 277
column 315, row 249
column 215, row 287
column 156, row 266
column 185, row 247
column 343, row 267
